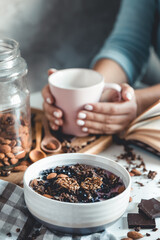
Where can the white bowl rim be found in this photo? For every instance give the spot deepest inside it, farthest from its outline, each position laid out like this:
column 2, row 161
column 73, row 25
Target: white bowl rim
column 78, row 204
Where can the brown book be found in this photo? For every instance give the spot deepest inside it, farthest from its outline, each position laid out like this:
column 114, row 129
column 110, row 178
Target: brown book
column 146, row 128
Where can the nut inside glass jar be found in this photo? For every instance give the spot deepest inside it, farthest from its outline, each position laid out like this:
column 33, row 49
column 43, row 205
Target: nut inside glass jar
column 15, row 128
column 15, row 136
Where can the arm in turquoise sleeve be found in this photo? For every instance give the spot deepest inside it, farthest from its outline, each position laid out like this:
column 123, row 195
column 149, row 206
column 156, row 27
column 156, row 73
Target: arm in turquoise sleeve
column 130, row 39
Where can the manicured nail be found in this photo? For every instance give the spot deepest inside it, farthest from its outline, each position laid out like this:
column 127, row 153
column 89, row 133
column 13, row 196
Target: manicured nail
column 53, row 127
column 82, row 115
column 57, row 114
column 53, row 69
column 48, row 100
column 56, row 122
column 80, row 122
column 85, row 129
column 88, row 107
column 129, row 96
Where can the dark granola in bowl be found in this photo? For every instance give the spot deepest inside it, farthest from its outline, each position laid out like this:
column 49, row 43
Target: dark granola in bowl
column 78, row 183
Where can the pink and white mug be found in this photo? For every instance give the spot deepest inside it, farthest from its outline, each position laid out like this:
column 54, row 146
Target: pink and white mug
column 74, row 88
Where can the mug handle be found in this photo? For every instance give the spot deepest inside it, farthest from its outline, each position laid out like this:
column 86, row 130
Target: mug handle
column 115, row 87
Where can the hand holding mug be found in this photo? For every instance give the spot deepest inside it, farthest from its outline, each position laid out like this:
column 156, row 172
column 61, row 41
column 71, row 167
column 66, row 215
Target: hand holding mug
column 96, row 118
column 109, row 117
column 53, row 114
column 72, row 90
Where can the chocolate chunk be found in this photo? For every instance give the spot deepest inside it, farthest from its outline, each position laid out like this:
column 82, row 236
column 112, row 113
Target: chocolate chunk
column 154, row 229
column 152, row 174
column 150, row 207
column 140, row 220
column 9, row 234
column 137, row 229
column 141, row 184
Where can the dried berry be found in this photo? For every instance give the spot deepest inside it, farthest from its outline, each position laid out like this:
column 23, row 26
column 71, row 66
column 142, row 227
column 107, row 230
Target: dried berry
column 148, row 235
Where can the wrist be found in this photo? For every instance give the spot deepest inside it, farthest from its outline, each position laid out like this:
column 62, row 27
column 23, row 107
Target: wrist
column 111, row 71
column 146, row 97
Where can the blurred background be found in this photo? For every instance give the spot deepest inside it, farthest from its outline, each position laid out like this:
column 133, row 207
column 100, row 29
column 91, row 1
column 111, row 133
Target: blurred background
column 58, row 33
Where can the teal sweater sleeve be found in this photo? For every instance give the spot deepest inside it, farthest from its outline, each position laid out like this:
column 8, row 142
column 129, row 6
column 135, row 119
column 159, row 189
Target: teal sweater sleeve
column 130, row 39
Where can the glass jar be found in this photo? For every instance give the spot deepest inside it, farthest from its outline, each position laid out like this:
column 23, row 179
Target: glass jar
column 15, row 116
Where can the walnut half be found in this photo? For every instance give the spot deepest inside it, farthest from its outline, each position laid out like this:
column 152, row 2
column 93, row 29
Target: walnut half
column 91, row 183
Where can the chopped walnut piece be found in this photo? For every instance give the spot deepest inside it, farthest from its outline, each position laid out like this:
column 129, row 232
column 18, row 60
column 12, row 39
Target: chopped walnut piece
column 91, row 183
column 68, row 198
column 69, row 183
column 34, row 183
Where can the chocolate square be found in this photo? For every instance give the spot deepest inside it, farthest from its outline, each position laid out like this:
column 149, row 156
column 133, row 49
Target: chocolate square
column 150, row 207
column 140, row 220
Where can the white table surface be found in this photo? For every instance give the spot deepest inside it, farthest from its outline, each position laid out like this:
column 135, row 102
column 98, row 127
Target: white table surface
column 150, row 189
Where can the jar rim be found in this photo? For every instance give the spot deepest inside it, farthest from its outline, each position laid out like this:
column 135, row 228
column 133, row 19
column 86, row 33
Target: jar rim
column 12, row 65
column 9, row 49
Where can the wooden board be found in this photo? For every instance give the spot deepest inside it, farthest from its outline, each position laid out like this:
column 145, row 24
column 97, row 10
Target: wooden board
column 91, row 144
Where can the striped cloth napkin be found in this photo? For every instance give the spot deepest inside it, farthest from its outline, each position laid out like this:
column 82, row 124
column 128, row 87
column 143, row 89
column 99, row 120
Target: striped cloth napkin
column 16, row 223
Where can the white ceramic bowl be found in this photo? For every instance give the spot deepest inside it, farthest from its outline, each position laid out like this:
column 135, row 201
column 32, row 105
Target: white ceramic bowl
column 76, row 218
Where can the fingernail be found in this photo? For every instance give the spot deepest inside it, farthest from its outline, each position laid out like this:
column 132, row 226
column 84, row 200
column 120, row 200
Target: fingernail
column 52, row 69
column 80, row 122
column 53, row 127
column 57, row 114
column 88, row 107
column 85, row 129
column 48, row 100
column 82, row 115
column 129, row 96
column 56, row 122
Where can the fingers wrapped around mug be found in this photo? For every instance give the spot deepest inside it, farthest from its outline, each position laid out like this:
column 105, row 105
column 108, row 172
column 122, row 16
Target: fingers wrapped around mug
column 47, row 96
column 127, row 92
column 54, row 115
column 106, row 118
